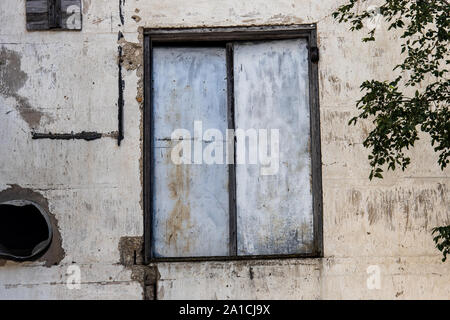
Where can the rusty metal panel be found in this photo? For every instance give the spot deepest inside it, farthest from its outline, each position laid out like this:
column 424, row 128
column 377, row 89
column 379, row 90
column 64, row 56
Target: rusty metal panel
column 274, row 212
column 190, row 215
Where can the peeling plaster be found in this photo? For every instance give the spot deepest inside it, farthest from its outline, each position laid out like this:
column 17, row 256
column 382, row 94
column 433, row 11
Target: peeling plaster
column 383, row 206
column 132, row 59
column 12, row 79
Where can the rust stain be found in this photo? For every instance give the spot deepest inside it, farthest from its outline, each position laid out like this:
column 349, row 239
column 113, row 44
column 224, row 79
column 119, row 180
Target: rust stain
column 176, row 223
column 180, row 216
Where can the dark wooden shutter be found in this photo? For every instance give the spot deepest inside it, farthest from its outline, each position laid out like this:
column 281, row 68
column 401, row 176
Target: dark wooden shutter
column 37, row 15
column 53, row 14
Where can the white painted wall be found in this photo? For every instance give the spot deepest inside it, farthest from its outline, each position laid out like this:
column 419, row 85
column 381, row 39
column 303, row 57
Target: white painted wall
column 94, row 188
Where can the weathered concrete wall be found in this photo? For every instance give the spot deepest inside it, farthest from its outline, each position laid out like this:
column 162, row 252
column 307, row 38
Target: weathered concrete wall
column 68, row 81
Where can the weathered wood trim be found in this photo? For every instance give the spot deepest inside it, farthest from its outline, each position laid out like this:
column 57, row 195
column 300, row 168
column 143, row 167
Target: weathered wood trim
column 231, row 167
column 229, row 33
column 148, row 166
column 316, row 154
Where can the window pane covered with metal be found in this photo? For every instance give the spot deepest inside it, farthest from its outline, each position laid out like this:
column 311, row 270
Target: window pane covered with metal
column 274, row 210
column 235, row 145
column 190, row 216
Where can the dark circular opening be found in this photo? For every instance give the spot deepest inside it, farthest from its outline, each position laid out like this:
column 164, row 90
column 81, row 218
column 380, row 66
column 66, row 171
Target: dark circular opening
column 25, row 230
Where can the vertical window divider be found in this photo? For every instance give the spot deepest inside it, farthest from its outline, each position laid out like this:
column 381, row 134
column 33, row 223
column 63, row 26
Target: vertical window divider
column 148, row 187
column 231, row 166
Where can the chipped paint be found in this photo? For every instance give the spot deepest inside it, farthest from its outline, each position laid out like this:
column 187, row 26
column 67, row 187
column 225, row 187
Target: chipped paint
column 132, row 55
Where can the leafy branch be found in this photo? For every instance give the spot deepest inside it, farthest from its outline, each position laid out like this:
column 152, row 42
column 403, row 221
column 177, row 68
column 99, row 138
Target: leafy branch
column 398, row 118
column 442, row 240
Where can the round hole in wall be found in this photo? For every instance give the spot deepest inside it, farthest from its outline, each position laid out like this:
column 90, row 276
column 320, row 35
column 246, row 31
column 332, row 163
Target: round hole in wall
column 25, row 230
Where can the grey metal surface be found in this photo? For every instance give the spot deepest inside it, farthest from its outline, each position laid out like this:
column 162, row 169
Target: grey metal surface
column 191, row 215
column 274, row 212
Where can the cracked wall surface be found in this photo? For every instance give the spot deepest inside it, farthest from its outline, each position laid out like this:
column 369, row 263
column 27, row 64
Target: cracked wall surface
column 59, row 81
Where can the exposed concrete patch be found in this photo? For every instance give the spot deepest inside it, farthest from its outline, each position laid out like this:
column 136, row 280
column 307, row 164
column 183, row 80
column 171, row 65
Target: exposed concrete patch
column 148, row 277
column 132, row 256
column 55, row 253
column 12, row 79
column 131, row 54
column 131, row 251
column 136, row 18
column 131, row 57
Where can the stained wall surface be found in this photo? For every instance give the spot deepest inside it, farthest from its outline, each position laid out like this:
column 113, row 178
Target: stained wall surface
column 64, row 81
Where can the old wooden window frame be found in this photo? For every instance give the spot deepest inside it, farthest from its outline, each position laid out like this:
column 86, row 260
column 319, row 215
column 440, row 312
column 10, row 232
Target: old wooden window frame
column 224, row 36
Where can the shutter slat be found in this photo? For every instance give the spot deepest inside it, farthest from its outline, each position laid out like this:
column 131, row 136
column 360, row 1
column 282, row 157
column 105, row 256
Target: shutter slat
column 37, row 15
